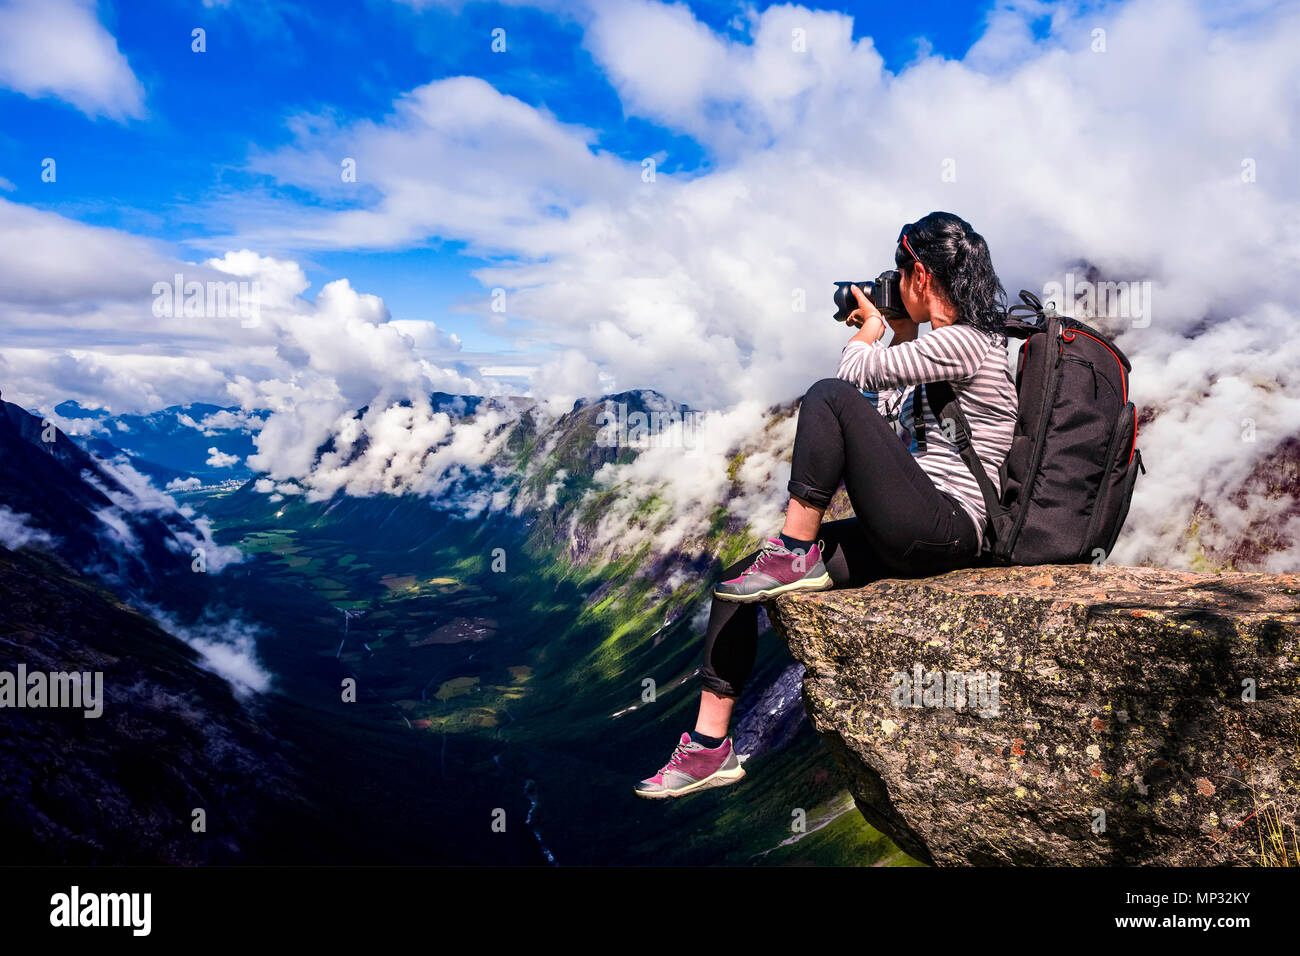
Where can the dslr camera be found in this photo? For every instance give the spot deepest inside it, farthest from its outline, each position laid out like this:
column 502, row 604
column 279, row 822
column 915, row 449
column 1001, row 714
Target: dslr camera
column 883, row 293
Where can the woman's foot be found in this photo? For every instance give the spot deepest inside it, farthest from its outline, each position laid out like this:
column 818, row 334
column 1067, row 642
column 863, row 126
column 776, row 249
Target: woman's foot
column 693, row 767
column 777, row 570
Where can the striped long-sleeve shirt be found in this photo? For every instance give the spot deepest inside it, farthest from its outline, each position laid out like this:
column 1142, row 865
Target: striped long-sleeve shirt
column 975, row 363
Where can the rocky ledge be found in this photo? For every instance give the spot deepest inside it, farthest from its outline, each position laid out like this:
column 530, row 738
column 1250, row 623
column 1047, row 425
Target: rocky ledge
column 1063, row 715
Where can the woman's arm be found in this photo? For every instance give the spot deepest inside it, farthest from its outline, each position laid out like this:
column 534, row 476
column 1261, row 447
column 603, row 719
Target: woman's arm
column 873, row 328
column 949, row 354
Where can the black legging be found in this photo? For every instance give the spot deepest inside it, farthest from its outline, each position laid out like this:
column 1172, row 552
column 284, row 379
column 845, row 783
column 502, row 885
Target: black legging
column 903, row 525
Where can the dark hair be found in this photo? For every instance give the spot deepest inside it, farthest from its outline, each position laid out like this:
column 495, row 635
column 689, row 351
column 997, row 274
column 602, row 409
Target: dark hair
column 959, row 258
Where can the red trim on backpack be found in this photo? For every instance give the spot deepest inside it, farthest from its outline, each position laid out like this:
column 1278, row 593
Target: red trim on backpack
column 1122, row 376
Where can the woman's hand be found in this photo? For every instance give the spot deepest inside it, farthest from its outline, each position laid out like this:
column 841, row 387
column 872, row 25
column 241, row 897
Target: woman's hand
column 866, row 318
column 905, row 328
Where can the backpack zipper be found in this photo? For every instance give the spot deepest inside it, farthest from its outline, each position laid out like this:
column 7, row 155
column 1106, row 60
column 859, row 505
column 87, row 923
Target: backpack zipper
column 1091, row 368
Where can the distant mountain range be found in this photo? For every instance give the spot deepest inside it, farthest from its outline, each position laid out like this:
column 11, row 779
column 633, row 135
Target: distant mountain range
column 105, row 520
column 196, row 441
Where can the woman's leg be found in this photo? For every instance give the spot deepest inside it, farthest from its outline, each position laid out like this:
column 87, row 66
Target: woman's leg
column 731, row 641
column 911, row 525
column 902, row 522
column 714, row 718
column 840, row 436
column 802, row 519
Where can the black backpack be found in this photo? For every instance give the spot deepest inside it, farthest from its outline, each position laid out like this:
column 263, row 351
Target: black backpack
column 1069, row 475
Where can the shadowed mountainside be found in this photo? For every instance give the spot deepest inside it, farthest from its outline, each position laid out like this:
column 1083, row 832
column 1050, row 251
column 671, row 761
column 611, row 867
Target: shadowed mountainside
column 122, row 787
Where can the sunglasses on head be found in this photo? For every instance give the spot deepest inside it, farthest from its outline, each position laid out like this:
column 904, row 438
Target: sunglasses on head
column 902, row 239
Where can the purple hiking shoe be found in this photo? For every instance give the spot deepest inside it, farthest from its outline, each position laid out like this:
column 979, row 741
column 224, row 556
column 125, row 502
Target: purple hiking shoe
column 691, row 768
column 777, row 570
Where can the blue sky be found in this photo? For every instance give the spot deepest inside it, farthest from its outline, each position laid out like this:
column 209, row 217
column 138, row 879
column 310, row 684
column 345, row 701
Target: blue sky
column 163, row 174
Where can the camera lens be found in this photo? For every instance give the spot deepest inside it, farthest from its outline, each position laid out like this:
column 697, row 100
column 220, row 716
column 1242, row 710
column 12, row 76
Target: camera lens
column 845, row 303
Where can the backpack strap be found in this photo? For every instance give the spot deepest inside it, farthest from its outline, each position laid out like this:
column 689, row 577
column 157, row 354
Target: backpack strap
column 918, row 418
column 944, row 402
column 1022, row 321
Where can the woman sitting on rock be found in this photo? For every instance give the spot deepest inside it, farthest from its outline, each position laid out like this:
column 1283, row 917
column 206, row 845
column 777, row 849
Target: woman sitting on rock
column 918, row 510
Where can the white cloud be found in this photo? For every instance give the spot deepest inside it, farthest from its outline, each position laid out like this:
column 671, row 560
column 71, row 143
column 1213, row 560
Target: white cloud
column 135, row 494
column 226, row 420
column 504, row 170
column 80, row 324
column 736, row 95
column 689, row 473
column 54, row 263
column 59, row 48
column 227, row 648
column 407, row 448
column 428, row 339
column 509, row 371
column 15, row 532
column 219, row 459
column 569, row 376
